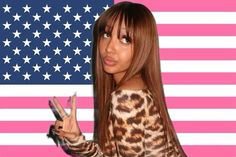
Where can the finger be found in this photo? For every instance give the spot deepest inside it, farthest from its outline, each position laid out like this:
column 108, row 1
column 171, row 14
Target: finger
column 73, row 106
column 68, row 135
column 58, row 107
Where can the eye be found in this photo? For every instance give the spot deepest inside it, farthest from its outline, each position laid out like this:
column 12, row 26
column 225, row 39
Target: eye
column 125, row 39
column 106, row 35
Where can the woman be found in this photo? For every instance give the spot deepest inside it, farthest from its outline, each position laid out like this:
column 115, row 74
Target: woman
column 131, row 117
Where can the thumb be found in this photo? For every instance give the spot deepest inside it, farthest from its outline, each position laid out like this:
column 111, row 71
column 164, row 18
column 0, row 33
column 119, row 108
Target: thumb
column 71, row 136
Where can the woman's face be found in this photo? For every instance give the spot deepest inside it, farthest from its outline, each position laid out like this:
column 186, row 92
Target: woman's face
column 116, row 53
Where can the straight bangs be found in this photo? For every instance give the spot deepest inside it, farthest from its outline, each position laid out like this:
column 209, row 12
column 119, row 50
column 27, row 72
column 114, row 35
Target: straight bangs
column 108, row 19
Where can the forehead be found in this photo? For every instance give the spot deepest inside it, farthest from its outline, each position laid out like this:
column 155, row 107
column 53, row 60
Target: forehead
column 118, row 27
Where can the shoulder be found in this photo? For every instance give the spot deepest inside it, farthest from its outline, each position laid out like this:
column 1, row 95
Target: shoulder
column 131, row 98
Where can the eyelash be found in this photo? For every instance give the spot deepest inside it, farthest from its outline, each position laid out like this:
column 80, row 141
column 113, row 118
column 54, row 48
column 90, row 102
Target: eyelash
column 128, row 39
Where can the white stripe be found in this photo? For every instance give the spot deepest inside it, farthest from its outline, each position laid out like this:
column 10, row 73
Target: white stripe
column 202, row 114
column 198, row 66
column 200, row 90
column 40, row 115
column 45, row 90
column 87, row 115
column 30, row 138
column 185, row 138
column 197, row 41
column 207, row 138
column 195, row 17
column 170, row 90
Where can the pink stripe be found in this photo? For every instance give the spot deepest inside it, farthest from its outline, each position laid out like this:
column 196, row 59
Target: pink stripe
column 197, row 54
column 53, row 151
column 41, row 102
column 210, row 151
column 186, row 5
column 32, row 151
column 87, row 126
column 172, row 102
column 196, row 30
column 38, row 126
column 199, row 78
column 201, row 102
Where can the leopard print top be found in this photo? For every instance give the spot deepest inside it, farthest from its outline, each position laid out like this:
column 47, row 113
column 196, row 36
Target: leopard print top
column 135, row 129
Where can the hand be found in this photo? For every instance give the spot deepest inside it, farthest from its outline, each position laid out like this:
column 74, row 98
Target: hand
column 68, row 127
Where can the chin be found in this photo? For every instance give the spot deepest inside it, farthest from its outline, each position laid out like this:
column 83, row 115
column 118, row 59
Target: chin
column 109, row 70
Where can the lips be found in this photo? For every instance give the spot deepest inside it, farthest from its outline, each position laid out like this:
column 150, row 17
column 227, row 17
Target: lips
column 109, row 61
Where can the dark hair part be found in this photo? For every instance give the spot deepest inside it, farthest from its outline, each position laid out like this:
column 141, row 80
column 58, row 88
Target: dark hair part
column 141, row 27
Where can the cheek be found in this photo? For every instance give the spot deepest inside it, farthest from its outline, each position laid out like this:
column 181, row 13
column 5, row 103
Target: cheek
column 126, row 55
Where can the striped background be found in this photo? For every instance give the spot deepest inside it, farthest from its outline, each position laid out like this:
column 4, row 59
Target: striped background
column 198, row 53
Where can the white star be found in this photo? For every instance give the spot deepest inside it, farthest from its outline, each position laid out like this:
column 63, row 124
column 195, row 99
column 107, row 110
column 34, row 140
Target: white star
column 87, row 43
column 96, row 17
column 87, row 59
column 67, row 42
column 57, row 17
column 46, row 25
column 26, row 25
column 26, row 76
column 106, row 7
column 77, row 34
column 7, row 25
column 16, row 17
column 26, row 59
column 36, row 17
column 16, row 34
column 16, row 68
column 87, row 76
column 57, row 51
column 46, row 60
column 57, row 34
column 46, row 42
column 57, row 68
column 16, row 51
column 26, row 8
column 46, row 9
column 6, row 8
column 6, row 76
column 36, row 51
column 67, row 8
column 77, row 17
column 26, row 42
column 67, row 76
column 67, row 60
column 36, row 68
column 36, row 34
column 67, row 25
column 6, row 59
column 46, row 76
column 77, row 68
column 6, row 42
column 87, row 8
column 77, row 51
column 87, row 25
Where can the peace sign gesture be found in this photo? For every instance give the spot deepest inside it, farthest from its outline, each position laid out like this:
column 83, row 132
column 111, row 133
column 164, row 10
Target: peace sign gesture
column 66, row 126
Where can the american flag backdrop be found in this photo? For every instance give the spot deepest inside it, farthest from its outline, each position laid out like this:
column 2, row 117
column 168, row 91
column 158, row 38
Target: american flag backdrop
column 45, row 51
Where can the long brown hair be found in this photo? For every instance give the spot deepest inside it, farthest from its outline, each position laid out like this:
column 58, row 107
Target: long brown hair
column 139, row 22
